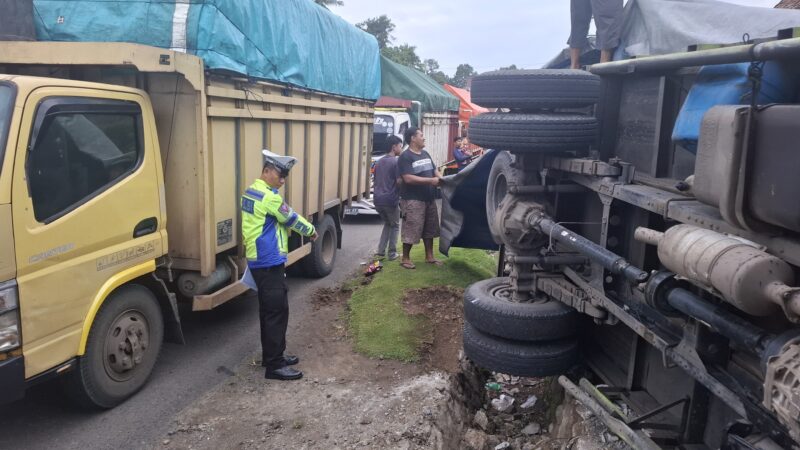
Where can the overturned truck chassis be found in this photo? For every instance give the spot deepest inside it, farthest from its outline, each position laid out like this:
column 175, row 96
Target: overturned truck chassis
column 680, row 311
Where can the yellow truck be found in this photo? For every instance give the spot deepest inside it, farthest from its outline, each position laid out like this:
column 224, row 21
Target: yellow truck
column 121, row 169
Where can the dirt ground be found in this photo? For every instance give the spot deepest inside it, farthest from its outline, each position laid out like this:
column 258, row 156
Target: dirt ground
column 348, row 401
column 344, row 401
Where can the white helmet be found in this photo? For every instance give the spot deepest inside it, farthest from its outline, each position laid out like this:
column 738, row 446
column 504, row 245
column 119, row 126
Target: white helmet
column 282, row 163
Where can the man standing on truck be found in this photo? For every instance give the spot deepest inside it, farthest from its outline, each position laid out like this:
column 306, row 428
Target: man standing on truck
column 417, row 194
column 266, row 223
column 608, row 21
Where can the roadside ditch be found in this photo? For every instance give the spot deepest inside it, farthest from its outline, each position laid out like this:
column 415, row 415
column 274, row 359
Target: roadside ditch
column 350, row 401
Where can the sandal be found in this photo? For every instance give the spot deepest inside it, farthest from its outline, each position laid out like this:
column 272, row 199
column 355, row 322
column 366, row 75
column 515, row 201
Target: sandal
column 408, row 265
column 435, row 262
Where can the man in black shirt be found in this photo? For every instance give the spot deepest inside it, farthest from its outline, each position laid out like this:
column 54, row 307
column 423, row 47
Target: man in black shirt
column 420, row 215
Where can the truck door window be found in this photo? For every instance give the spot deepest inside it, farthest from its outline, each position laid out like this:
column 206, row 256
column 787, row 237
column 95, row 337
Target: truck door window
column 78, row 150
column 7, row 93
column 403, row 128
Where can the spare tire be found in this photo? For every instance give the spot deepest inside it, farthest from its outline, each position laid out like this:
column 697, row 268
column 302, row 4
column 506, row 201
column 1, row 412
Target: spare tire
column 523, row 359
column 533, row 133
column 489, row 308
column 535, row 89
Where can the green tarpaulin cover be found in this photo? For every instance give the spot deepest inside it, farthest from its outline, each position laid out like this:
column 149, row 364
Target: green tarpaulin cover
column 290, row 41
column 406, row 83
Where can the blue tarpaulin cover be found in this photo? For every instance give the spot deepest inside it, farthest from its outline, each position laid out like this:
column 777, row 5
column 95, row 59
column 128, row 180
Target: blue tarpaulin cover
column 290, row 41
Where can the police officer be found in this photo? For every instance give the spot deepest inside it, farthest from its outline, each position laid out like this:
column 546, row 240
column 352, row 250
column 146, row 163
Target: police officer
column 266, row 223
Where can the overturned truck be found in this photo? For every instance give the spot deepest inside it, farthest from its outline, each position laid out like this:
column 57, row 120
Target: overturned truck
column 648, row 216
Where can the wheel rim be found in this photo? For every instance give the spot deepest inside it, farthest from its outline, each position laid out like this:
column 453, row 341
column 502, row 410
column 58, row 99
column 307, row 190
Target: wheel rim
column 502, row 292
column 126, row 344
column 328, row 248
column 505, row 293
column 500, row 190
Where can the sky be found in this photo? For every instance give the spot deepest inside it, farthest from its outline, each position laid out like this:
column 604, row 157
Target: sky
column 488, row 34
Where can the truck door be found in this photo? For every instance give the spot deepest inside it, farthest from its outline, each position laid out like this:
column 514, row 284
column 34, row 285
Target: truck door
column 86, row 209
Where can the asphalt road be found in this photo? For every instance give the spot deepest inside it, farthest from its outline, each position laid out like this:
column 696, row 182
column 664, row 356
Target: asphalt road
column 218, row 342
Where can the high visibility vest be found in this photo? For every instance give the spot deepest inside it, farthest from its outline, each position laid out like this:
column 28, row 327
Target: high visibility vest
column 266, row 223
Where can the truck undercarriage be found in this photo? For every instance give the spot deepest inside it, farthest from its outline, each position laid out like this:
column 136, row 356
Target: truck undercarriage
column 682, row 261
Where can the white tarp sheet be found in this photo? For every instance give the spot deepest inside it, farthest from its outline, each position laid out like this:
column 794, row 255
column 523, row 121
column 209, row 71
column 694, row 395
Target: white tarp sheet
column 654, row 27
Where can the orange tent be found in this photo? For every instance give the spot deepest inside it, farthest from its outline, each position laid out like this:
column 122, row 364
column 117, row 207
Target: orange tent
column 467, row 109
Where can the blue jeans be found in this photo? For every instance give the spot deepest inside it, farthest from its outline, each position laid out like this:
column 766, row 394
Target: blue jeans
column 391, row 227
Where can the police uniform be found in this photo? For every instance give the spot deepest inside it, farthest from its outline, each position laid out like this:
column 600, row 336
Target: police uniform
column 266, row 223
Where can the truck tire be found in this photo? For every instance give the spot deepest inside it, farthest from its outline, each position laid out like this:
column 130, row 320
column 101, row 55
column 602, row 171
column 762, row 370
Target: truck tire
column 121, row 350
column 319, row 263
column 523, row 359
column 533, row 133
column 528, row 90
column 502, row 175
column 489, row 308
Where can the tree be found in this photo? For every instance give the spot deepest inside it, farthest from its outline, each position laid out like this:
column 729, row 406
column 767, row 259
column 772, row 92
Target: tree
column 329, row 2
column 381, row 27
column 404, row 54
column 432, row 70
column 431, row 66
column 463, row 73
column 511, row 67
column 440, row 77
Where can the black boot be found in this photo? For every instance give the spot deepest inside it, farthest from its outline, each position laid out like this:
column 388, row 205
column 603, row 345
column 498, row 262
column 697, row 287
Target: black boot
column 288, row 360
column 283, row 373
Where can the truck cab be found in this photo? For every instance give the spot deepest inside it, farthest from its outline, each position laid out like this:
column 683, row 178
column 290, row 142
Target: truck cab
column 387, row 123
column 81, row 219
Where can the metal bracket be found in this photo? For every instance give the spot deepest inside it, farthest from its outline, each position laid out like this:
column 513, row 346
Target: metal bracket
column 639, row 422
column 557, row 287
column 584, row 166
column 596, row 297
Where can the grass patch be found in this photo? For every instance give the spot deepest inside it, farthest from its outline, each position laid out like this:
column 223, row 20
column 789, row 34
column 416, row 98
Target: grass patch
column 377, row 321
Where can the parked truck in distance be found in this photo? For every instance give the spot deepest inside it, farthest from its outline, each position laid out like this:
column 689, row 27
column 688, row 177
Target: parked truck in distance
column 122, row 167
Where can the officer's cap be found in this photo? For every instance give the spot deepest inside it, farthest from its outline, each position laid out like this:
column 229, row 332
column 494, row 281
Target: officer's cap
column 282, row 163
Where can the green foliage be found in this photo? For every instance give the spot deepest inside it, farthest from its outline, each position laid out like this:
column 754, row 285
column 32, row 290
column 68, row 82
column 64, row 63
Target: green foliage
column 404, row 54
column 511, row 67
column 377, row 321
column 381, row 27
column 432, row 70
column 462, row 76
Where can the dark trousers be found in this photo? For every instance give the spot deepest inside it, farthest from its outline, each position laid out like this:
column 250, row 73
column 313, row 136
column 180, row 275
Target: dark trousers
column 273, row 312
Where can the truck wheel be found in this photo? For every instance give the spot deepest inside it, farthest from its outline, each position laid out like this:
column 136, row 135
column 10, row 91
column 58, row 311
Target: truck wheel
column 502, row 175
column 122, row 348
column 533, row 133
column 489, row 308
column 319, row 263
column 527, row 90
column 522, row 359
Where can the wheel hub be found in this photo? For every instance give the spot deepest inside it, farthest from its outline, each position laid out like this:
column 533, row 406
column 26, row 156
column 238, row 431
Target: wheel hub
column 126, row 343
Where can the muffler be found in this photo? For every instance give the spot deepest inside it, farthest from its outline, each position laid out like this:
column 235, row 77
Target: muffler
column 737, row 270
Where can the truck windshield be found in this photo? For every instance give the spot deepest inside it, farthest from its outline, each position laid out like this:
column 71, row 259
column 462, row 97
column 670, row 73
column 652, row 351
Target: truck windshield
column 6, row 109
column 384, row 127
column 383, row 124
